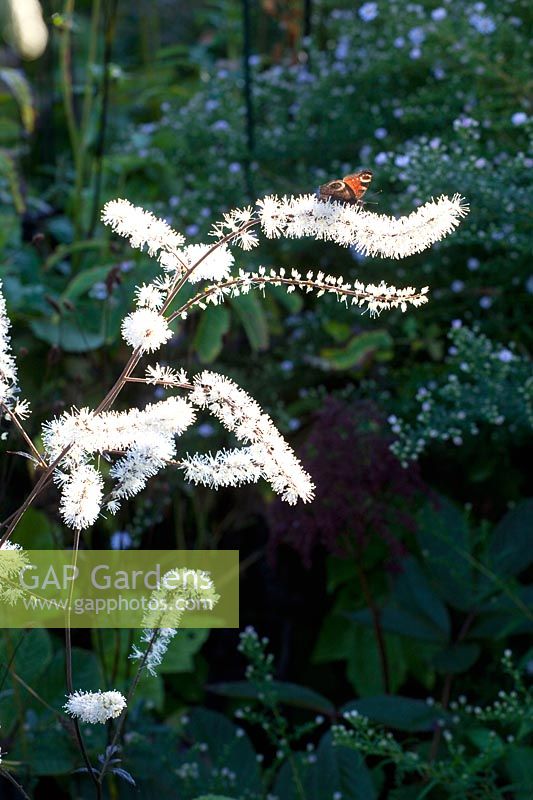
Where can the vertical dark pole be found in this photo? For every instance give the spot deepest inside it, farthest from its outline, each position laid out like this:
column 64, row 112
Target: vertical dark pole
column 110, row 18
column 307, row 17
column 248, row 102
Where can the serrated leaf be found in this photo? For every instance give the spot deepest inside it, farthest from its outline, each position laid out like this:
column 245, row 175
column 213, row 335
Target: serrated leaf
column 444, row 541
column 510, row 549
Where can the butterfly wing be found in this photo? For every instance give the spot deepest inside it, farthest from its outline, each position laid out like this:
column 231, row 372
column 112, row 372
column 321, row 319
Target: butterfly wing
column 348, row 190
column 359, row 182
column 337, row 190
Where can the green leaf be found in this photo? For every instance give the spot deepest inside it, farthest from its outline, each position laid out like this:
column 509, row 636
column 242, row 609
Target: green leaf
column 510, row 550
column 28, row 652
column 358, row 350
column 293, row 302
column 214, row 797
column 519, row 765
column 457, row 658
column 415, row 610
column 182, row 649
column 52, row 686
column 402, row 713
column 444, row 541
column 84, row 281
column 208, row 340
column 226, row 746
column 48, row 751
column 250, row 311
column 335, row 770
column 289, row 693
column 337, row 329
column 413, row 594
column 364, row 669
column 484, row 740
column 70, row 337
column 34, row 531
column 20, row 88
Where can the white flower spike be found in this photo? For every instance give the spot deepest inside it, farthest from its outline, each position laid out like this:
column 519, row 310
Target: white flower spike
column 95, row 707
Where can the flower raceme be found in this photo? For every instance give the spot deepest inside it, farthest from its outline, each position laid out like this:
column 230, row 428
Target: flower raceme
column 139, row 443
column 164, row 613
column 95, row 707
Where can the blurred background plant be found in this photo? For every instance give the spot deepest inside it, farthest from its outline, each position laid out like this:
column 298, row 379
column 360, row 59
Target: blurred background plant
column 398, row 582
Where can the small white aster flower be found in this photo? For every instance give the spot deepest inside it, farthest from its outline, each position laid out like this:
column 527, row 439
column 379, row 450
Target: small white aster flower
column 146, row 329
column 95, row 707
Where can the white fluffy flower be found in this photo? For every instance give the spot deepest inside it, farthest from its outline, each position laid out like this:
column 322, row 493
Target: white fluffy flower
column 146, row 329
column 149, row 296
column 8, row 368
column 146, row 437
column 370, row 233
column 216, row 266
column 81, row 497
column 269, row 454
column 141, row 227
column 13, row 562
column 159, row 373
column 95, row 707
column 178, row 590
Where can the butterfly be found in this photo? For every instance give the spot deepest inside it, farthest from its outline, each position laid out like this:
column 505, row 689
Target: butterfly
column 348, row 190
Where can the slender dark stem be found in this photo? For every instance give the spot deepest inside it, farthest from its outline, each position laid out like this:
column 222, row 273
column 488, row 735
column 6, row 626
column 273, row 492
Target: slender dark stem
column 110, row 17
column 68, row 671
column 14, row 417
column 122, row 719
column 12, row 780
column 446, row 689
column 248, row 100
column 307, row 17
column 376, row 624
